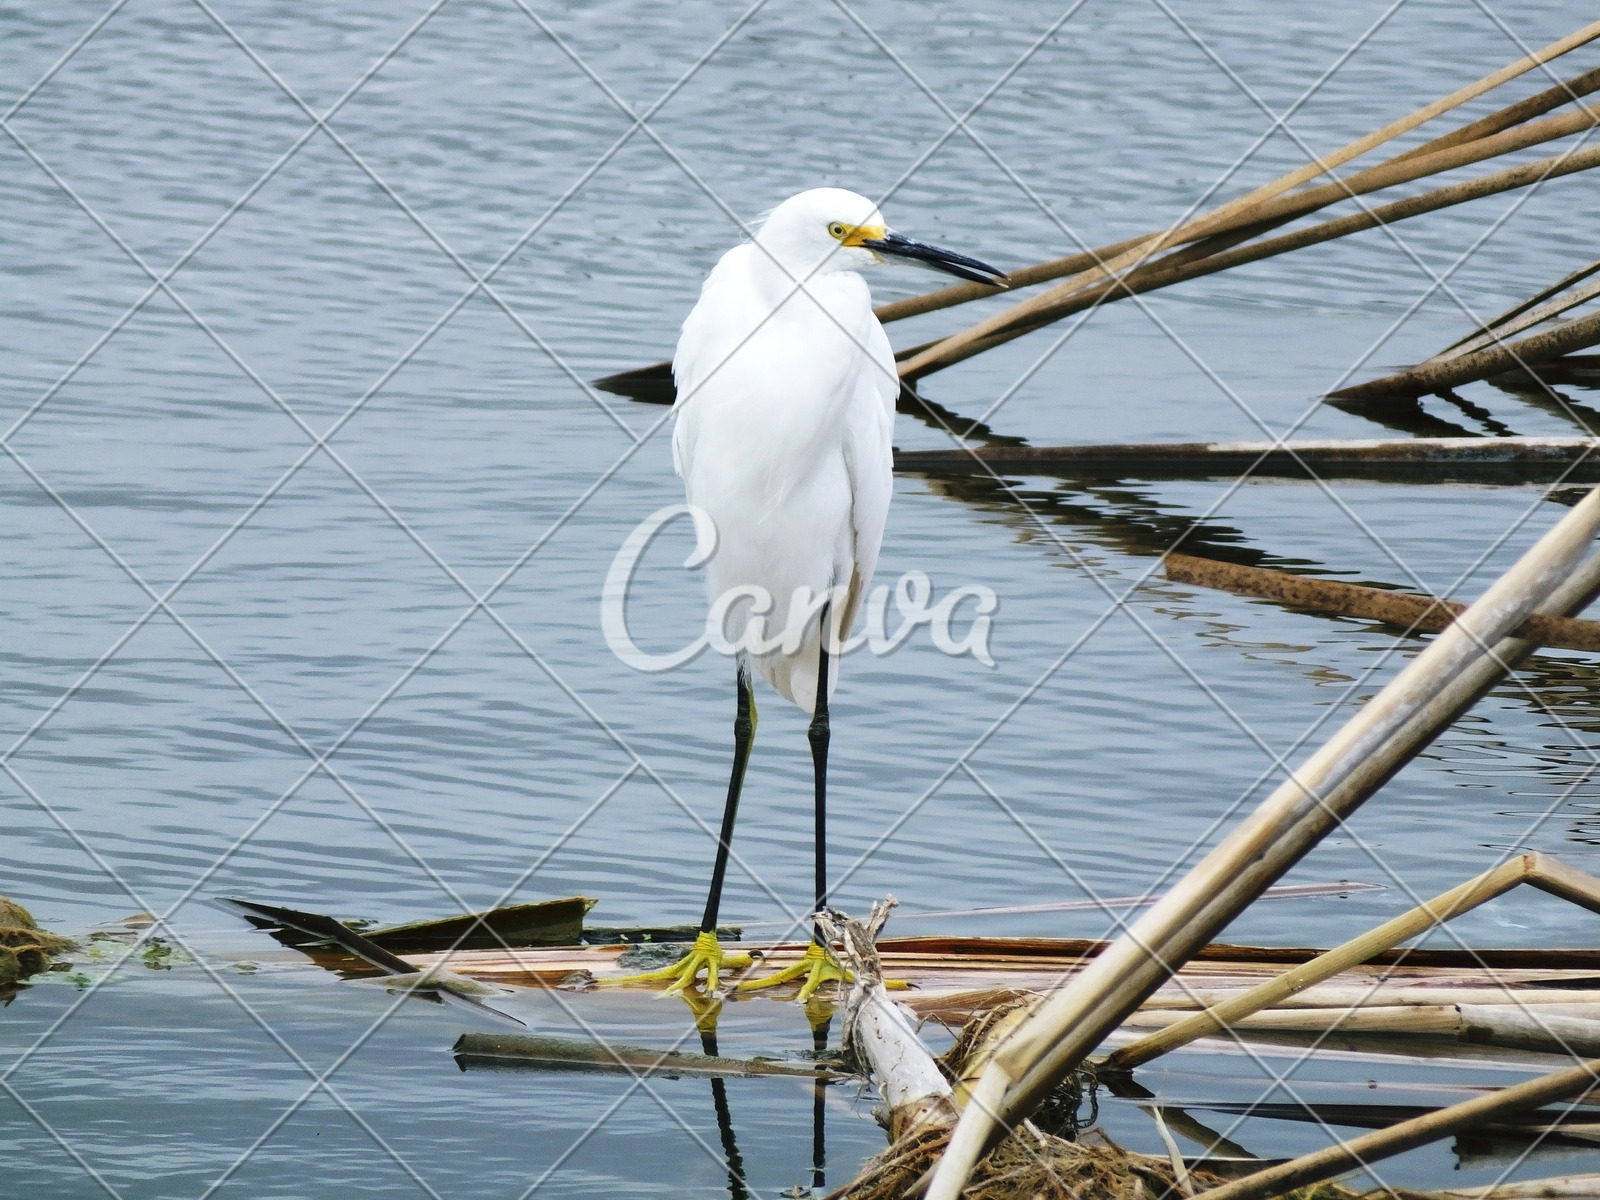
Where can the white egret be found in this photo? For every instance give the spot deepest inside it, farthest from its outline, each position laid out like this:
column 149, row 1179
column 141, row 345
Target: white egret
column 785, row 413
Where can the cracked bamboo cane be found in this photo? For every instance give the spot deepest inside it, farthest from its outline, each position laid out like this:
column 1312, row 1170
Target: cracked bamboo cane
column 1442, row 681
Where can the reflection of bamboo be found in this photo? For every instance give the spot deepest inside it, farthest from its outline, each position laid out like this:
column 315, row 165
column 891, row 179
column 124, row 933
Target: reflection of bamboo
column 1391, row 729
column 1348, row 599
column 1407, row 1135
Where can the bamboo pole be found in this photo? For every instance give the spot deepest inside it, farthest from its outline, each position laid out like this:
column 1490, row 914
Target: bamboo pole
column 1359, row 1018
column 1565, row 92
column 1580, row 1187
column 1255, row 204
column 1387, row 732
column 509, row 1050
column 1551, row 1032
column 1523, row 306
column 1158, row 274
column 1381, row 995
column 1434, row 376
column 1204, row 248
column 1417, row 613
column 962, row 293
column 1515, row 114
column 1506, row 326
column 1425, row 458
column 1407, row 1135
column 1031, row 312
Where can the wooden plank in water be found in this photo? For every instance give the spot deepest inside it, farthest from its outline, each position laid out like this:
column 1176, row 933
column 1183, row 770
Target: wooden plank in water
column 1431, row 460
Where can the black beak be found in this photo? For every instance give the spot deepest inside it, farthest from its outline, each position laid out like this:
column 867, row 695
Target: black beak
column 896, row 246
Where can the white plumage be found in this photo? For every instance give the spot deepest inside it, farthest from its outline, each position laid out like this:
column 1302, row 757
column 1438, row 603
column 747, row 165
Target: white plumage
column 786, row 397
column 785, row 416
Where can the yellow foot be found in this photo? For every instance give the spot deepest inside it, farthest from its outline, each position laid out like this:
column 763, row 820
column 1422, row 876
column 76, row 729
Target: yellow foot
column 706, row 955
column 817, row 966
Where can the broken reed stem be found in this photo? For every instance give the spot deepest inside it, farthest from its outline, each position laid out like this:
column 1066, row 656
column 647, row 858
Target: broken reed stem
column 1159, row 274
column 1517, row 324
column 1516, row 310
column 1387, row 732
column 1515, row 114
column 1416, row 613
column 1257, row 204
column 1443, row 374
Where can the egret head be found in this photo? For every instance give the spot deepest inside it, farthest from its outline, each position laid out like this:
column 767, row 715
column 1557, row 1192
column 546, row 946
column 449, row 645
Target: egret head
column 831, row 229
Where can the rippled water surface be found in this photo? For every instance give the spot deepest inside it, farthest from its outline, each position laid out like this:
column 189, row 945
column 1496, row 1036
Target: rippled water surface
column 464, row 454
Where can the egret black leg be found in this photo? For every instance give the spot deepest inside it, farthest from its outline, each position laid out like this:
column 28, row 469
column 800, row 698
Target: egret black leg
column 706, row 954
column 817, row 734
column 817, row 966
column 744, row 732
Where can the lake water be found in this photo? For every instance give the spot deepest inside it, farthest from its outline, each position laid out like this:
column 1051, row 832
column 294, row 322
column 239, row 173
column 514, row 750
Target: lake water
column 468, row 457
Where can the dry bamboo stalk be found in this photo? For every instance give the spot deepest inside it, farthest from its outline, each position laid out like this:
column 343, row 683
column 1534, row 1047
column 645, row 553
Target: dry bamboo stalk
column 1158, row 274
column 1349, row 599
column 1552, row 1032
column 1526, row 320
column 1386, row 996
column 1407, row 1135
column 1437, row 376
column 582, row 1052
column 1565, row 92
column 1387, row 732
column 1515, row 114
column 1253, row 205
column 1387, row 1018
column 1206, row 249
column 1535, row 869
column 1523, row 306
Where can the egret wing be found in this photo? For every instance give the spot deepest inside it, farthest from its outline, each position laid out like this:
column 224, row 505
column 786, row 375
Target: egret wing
column 869, row 460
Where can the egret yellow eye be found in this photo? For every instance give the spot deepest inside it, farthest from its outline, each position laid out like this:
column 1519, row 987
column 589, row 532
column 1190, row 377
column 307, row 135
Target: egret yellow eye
column 837, row 230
